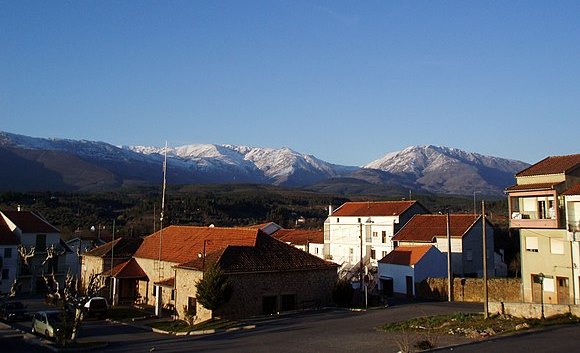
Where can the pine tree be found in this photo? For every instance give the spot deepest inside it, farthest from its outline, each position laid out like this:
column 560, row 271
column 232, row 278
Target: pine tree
column 214, row 289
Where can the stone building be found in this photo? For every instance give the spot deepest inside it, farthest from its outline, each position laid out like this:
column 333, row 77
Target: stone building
column 268, row 276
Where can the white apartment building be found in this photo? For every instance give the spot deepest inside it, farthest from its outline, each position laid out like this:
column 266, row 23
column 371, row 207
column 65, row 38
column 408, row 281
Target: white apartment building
column 361, row 232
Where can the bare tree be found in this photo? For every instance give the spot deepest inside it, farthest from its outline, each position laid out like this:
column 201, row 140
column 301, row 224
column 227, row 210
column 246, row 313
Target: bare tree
column 25, row 253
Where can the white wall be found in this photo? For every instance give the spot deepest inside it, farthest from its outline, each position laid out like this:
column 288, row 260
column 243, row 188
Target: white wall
column 11, row 264
column 432, row 264
column 398, row 273
column 344, row 234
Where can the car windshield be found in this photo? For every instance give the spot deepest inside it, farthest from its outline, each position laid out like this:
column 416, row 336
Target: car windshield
column 53, row 317
column 98, row 303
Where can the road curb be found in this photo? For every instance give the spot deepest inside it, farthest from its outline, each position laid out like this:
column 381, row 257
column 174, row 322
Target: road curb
column 202, row 332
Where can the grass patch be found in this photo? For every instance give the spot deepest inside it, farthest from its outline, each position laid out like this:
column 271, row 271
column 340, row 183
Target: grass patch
column 474, row 325
column 183, row 326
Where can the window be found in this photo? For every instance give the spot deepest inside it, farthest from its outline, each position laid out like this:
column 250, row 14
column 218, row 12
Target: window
column 556, row 246
column 173, row 294
column 375, row 234
column 316, row 251
column 532, row 244
column 350, row 254
column 338, row 220
column 358, row 220
column 7, row 253
column 373, row 254
column 192, row 306
column 385, row 253
column 384, row 236
column 5, row 273
column 40, row 242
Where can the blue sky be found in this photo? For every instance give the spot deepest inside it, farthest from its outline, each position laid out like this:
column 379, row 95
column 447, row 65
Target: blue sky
column 346, row 81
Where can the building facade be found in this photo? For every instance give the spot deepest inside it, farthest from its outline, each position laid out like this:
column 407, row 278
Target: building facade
column 361, row 232
column 539, row 213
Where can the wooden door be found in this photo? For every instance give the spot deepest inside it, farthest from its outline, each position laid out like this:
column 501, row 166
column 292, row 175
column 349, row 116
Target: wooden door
column 563, row 290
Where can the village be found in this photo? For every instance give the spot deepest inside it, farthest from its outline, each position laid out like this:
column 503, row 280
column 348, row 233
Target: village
column 367, row 255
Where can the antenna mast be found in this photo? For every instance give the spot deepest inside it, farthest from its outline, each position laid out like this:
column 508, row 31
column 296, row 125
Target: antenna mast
column 162, row 209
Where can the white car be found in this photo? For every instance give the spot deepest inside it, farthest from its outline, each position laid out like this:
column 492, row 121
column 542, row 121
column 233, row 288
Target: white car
column 47, row 323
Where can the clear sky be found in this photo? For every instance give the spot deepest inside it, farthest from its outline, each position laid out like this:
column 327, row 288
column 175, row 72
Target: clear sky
column 346, row 81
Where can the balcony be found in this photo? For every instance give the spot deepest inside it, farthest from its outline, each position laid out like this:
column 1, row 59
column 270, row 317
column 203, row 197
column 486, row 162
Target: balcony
column 534, row 210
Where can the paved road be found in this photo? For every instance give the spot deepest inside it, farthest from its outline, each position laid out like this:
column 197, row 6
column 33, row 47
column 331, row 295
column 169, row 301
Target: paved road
column 557, row 340
column 327, row 331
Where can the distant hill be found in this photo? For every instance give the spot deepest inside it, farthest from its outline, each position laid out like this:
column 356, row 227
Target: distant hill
column 80, row 165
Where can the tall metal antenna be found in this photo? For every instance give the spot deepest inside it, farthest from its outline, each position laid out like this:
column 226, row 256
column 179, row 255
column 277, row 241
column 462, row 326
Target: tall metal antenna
column 162, row 208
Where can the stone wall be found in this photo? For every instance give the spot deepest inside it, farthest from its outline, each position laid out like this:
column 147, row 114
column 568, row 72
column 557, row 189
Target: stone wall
column 471, row 289
column 310, row 288
column 532, row 310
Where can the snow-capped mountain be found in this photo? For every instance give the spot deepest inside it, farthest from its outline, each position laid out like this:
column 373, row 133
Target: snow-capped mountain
column 437, row 169
column 64, row 164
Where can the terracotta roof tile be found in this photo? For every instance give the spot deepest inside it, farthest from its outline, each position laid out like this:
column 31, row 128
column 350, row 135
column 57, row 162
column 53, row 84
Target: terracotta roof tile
column 266, row 255
column 380, row 208
column 122, row 247
column 406, row 255
column 539, row 186
column 574, row 190
column 30, row 222
column 183, row 243
column 127, row 269
column 424, row 228
column 6, row 235
column 300, row 236
column 552, row 165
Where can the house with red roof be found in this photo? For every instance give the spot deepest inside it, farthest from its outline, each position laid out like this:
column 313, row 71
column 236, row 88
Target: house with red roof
column 30, row 230
column 466, row 235
column 406, row 266
column 544, row 210
column 268, row 275
column 311, row 241
column 360, row 232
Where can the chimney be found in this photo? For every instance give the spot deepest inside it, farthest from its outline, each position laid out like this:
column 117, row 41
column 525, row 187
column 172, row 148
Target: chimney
column 330, row 210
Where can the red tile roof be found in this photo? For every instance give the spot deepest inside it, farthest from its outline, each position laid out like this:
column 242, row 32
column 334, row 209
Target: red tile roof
column 122, row 247
column 406, row 255
column 127, row 269
column 380, row 208
column 6, row 235
column 552, row 165
column 30, row 222
column 266, row 255
column 300, row 236
column 424, row 228
column 574, row 190
column 183, row 243
column 539, row 186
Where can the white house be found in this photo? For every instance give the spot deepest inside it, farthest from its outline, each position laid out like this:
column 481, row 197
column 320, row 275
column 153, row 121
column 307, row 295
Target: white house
column 361, row 232
column 311, row 241
column 406, row 266
column 8, row 257
column 466, row 235
column 34, row 231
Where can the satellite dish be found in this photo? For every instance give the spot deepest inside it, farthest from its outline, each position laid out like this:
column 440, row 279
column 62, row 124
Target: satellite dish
column 211, row 226
column 93, row 228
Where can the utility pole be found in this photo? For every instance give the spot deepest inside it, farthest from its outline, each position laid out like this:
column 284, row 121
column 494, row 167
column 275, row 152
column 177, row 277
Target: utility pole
column 485, row 297
column 360, row 269
column 449, row 272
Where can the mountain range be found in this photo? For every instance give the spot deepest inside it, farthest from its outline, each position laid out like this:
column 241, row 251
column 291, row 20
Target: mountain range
column 81, row 165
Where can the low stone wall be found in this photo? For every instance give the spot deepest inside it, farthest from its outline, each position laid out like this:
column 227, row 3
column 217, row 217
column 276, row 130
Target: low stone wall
column 471, row 289
column 532, row 310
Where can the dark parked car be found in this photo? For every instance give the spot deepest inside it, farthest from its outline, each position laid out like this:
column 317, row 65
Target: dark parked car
column 13, row 311
column 96, row 306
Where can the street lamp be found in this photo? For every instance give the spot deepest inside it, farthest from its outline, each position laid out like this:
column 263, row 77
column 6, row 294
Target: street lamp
column 541, row 278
